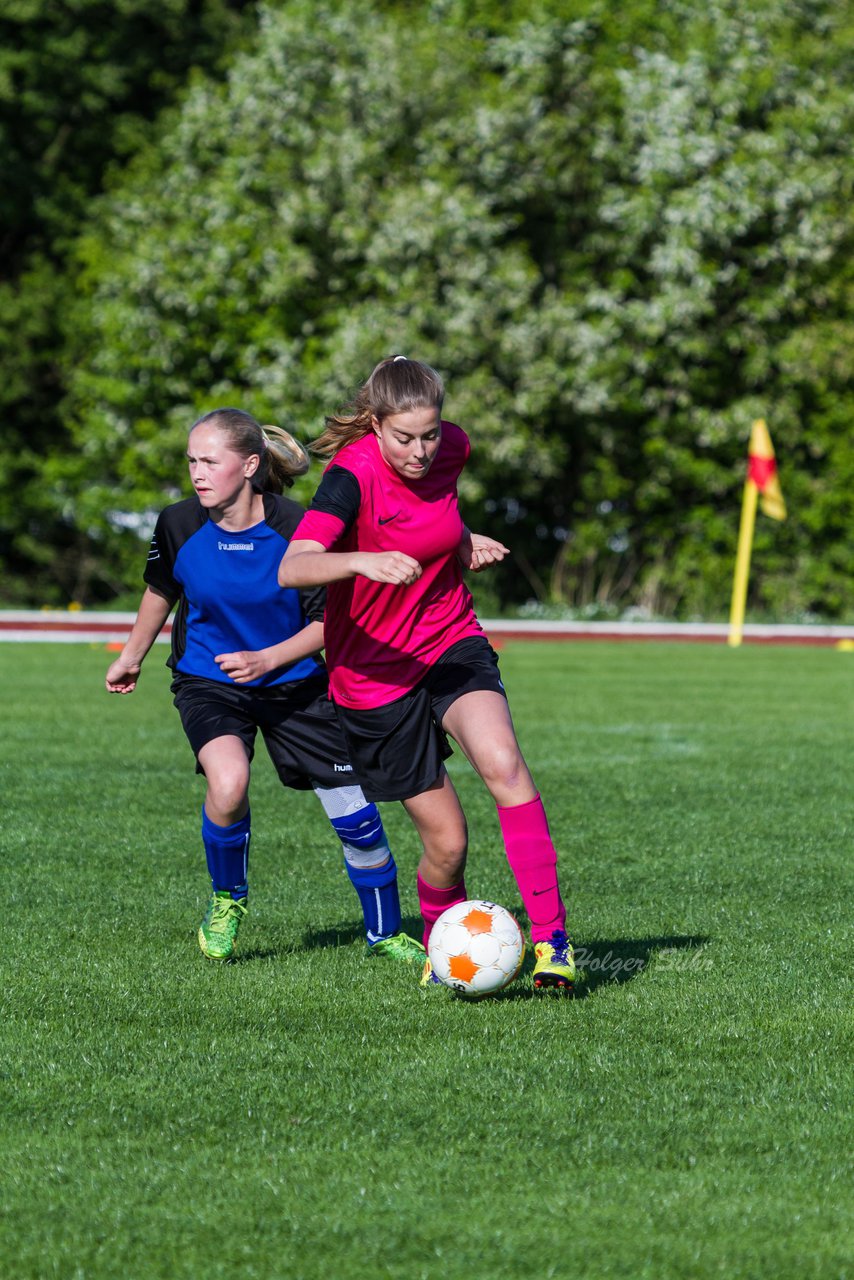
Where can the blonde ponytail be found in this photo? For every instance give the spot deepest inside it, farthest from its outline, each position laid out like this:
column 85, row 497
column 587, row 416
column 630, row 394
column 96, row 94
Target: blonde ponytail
column 286, row 458
column 280, row 456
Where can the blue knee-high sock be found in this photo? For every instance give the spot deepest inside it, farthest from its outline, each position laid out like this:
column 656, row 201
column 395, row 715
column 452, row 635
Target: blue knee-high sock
column 377, row 890
column 227, row 852
column 363, row 837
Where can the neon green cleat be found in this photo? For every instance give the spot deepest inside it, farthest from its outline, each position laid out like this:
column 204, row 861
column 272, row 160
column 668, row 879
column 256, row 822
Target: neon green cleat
column 399, row 946
column 218, row 930
column 555, row 966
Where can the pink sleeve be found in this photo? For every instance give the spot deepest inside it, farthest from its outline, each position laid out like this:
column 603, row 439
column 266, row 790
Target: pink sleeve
column 319, row 526
column 459, row 440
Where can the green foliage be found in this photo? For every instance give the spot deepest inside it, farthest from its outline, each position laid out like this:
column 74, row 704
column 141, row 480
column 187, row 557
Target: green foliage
column 621, row 235
column 79, row 85
column 307, row 1114
column 77, row 82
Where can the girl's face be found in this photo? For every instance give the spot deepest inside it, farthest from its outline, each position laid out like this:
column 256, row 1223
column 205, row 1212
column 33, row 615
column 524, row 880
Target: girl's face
column 409, row 441
column 218, row 473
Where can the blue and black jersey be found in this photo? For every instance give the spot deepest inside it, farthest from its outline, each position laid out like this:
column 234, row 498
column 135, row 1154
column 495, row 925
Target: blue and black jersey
column 225, row 583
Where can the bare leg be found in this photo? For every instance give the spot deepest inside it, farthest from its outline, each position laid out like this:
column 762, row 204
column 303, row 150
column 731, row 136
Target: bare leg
column 440, row 822
column 480, row 722
column 226, row 765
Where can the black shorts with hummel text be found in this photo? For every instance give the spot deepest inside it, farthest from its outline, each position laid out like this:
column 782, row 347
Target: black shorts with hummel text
column 398, row 750
column 296, row 720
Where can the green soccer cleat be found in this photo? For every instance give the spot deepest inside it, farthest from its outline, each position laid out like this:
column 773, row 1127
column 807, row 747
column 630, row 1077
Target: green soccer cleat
column 218, row 931
column 399, row 946
column 555, row 966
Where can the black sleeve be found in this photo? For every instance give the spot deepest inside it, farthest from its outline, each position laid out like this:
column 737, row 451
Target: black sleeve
column 165, row 544
column 338, row 494
column 313, row 601
column 283, row 515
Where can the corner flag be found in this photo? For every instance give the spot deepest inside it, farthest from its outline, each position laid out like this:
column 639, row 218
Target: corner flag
column 762, row 484
column 762, row 471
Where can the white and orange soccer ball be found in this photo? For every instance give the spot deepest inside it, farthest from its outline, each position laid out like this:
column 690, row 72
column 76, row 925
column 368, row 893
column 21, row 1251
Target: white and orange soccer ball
column 476, row 948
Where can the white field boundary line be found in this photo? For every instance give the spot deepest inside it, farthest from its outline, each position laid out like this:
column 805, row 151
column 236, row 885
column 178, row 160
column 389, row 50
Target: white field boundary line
column 89, row 627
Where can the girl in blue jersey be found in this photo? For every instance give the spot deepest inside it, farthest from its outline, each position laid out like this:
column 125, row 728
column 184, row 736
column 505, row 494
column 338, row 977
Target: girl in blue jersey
column 245, row 658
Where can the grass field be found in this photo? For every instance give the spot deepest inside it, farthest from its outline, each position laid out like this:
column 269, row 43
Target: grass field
column 305, row 1114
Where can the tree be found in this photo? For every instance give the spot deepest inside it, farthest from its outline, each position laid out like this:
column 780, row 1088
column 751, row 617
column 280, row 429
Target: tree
column 79, row 85
column 620, row 241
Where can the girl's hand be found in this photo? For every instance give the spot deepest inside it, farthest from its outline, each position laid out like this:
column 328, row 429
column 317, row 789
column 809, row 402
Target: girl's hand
column 243, row 666
column 154, row 609
column 477, row 552
column 122, row 676
column 387, row 566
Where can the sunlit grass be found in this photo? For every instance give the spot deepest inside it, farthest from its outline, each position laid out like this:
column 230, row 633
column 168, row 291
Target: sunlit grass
column 305, row 1114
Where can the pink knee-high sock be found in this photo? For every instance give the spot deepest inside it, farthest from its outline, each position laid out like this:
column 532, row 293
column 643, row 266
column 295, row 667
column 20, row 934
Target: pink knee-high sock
column 533, row 861
column 434, row 901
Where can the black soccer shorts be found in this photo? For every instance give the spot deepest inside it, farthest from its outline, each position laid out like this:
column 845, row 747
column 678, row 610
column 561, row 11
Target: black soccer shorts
column 398, row 749
column 296, row 720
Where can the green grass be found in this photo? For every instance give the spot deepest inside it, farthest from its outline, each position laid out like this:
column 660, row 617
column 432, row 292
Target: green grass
column 305, row 1114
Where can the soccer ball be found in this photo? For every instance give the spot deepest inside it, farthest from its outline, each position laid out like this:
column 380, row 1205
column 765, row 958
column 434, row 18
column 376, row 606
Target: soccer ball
column 476, row 948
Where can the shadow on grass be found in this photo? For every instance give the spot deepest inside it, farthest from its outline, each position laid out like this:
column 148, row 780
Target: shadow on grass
column 610, row 962
column 342, row 935
column 606, row 963
column 618, row 960
column 345, row 934
column 603, row 962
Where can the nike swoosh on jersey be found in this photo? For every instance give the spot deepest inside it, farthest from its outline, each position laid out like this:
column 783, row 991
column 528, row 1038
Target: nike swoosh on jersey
column 386, row 519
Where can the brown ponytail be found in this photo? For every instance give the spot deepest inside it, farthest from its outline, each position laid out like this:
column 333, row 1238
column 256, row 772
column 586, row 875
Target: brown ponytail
column 397, row 385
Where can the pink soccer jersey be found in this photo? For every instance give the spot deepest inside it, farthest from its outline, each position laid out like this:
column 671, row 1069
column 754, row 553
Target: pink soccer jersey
column 381, row 638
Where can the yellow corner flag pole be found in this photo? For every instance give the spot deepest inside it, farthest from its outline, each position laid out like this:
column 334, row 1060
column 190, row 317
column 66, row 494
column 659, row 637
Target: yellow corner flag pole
column 742, row 564
column 761, row 479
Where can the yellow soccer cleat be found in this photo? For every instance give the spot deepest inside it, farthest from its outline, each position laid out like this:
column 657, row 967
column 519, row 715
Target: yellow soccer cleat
column 428, row 979
column 555, row 966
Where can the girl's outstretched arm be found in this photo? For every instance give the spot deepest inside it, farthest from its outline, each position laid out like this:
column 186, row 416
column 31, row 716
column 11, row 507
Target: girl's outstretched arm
column 309, row 564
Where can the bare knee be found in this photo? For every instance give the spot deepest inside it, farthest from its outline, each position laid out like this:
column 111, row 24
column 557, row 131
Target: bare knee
column 444, row 861
column 227, row 796
column 502, row 767
column 445, row 845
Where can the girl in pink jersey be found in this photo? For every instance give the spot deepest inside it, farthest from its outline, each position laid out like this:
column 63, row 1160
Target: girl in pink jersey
column 409, row 664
